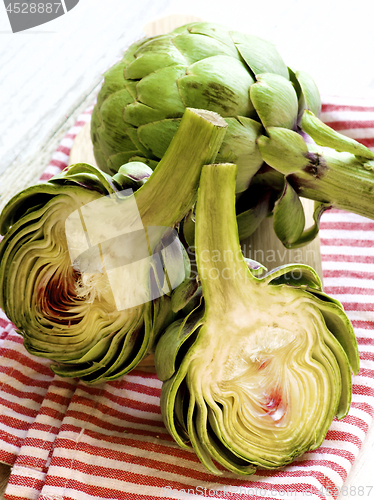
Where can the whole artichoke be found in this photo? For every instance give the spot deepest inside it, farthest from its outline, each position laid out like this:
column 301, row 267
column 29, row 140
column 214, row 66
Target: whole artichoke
column 244, row 79
column 255, row 373
column 201, row 65
column 87, row 268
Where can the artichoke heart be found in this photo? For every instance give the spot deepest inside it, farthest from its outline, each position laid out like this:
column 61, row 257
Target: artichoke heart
column 255, row 373
column 88, row 261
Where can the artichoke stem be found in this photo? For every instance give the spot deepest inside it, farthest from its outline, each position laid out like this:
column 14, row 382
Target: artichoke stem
column 339, row 180
column 222, row 268
column 196, row 143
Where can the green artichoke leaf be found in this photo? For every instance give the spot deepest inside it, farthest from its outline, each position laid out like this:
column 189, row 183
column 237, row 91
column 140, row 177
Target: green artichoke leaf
column 324, row 135
column 152, row 164
column 338, row 323
column 88, row 176
column 113, row 82
column 142, row 149
column 158, row 43
column 102, row 161
column 250, row 219
column 130, row 86
column 310, row 233
column 323, row 296
column 198, row 47
column 275, row 100
column 343, row 345
column 211, row 31
column 81, row 257
column 188, row 229
column 180, row 408
column 115, row 162
column 195, row 424
column 112, row 129
column 311, row 98
column 255, row 267
column 172, row 413
column 131, row 52
column 132, row 174
column 240, row 147
column 297, row 87
column 27, row 203
column 205, row 445
column 289, row 219
column 283, row 149
column 100, row 158
column 294, row 274
column 183, row 293
column 232, row 462
column 346, row 379
column 156, row 136
column 115, row 357
column 148, row 62
column 172, row 254
column 288, row 216
column 158, row 97
column 260, row 55
column 307, row 92
column 219, row 83
column 173, row 339
column 270, row 364
column 268, row 179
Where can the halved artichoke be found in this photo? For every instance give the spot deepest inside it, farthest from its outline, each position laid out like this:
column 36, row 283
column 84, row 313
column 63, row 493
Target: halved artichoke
column 255, row 373
column 244, row 79
column 86, row 267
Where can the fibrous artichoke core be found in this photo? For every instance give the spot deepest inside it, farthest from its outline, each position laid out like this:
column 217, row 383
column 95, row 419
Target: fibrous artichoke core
column 91, row 287
column 254, row 375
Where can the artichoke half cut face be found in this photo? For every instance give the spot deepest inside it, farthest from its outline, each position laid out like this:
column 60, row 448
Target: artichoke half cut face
column 66, row 308
column 86, row 269
column 255, row 374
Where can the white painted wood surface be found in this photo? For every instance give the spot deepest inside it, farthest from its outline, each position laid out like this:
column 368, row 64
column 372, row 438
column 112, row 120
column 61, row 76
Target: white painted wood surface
column 51, row 73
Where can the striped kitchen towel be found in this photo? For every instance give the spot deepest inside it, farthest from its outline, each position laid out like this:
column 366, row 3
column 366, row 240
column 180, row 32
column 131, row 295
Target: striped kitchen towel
column 69, row 441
